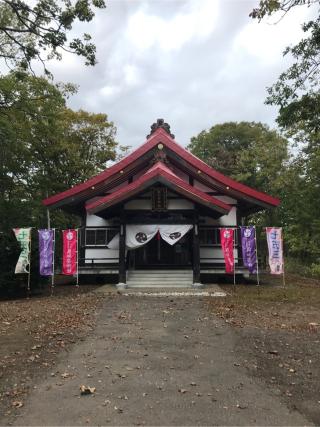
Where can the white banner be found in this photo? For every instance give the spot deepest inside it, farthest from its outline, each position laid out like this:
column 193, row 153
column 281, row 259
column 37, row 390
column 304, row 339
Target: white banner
column 139, row 235
column 23, row 235
column 173, row 233
column 114, row 242
column 274, row 239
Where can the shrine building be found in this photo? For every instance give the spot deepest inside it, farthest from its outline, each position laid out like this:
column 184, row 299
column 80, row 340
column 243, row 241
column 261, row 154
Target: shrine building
column 154, row 217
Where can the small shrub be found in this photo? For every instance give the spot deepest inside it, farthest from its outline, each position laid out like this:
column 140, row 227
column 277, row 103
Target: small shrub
column 315, row 270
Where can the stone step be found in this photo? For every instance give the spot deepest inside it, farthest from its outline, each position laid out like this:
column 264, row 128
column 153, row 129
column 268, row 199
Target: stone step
column 159, row 285
column 147, row 272
column 158, row 276
column 159, row 279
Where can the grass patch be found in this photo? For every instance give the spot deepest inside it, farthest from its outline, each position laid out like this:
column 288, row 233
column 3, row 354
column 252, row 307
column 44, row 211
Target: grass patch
column 295, row 306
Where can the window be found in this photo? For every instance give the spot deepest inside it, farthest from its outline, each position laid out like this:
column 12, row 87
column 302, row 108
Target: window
column 211, row 237
column 159, row 199
column 99, row 236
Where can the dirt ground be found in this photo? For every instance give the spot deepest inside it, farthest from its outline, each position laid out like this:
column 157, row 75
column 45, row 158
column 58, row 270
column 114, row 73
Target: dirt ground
column 33, row 332
column 261, row 344
column 279, row 335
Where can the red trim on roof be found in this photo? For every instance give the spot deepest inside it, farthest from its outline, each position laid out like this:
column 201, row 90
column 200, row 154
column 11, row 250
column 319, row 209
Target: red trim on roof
column 228, row 182
column 162, row 166
column 157, row 172
column 116, row 168
column 161, row 136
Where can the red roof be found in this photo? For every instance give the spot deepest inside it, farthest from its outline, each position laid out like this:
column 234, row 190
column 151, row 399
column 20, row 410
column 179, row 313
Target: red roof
column 158, row 173
column 162, row 136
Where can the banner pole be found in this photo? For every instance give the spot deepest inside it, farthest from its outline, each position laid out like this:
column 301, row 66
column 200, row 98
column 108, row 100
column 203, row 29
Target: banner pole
column 255, row 241
column 234, row 256
column 77, row 284
column 282, row 250
column 29, row 272
column 54, row 248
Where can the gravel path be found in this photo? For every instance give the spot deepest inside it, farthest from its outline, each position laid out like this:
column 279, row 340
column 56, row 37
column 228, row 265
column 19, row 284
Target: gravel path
column 155, row 361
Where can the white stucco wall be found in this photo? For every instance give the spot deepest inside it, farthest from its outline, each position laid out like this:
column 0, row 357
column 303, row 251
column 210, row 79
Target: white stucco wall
column 205, row 252
column 225, row 220
column 137, row 204
column 97, row 253
column 180, row 204
column 96, row 221
column 214, row 255
column 100, row 252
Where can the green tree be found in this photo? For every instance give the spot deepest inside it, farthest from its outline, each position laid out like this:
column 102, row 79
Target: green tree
column 39, row 30
column 247, row 151
column 296, row 92
column 44, row 146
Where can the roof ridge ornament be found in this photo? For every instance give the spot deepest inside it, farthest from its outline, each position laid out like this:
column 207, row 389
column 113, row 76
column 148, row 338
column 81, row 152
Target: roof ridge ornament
column 160, row 124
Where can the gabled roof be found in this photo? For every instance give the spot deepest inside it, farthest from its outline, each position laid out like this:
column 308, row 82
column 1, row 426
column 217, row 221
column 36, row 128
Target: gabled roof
column 114, row 174
column 159, row 173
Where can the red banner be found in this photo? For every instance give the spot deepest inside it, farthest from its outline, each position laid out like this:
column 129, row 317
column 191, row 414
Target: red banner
column 70, row 243
column 226, row 236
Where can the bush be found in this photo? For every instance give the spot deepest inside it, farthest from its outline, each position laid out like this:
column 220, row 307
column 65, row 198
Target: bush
column 10, row 283
column 315, row 270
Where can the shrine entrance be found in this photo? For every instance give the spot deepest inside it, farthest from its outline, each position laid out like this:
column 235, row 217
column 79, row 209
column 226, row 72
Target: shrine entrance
column 159, row 254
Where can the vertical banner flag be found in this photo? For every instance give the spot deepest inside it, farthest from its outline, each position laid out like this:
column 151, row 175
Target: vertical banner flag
column 274, row 239
column 70, row 243
column 226, row 237
column 248, row 245
column 46, row 252
column 23, row 235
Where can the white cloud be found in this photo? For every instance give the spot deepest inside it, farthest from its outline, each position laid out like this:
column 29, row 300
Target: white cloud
column 193, row 62
column 196, row 21
column 267, row 40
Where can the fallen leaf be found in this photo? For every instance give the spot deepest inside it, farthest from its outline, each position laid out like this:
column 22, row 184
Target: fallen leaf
column 241, row 406
column 87, row 390
column 17, row 403
column 65, row 375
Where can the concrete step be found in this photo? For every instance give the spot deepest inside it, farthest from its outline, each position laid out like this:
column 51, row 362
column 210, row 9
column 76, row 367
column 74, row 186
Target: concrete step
column 163, row 278
column 159, row 285
column 160, row 278
column 161, row 274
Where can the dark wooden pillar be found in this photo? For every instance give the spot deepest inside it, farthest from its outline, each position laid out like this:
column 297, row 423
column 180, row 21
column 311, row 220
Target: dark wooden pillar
column 82, row 240
column 196, row 250
column 240, row 221
column 122, row 248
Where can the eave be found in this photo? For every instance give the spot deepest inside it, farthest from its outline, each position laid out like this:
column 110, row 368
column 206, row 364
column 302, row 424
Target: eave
column 158, row 175
column 129, row 165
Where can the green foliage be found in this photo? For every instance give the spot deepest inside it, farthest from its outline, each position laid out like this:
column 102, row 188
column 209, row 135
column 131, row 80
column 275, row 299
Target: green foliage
column 248, row 152
column 297, row 94
column 268, row 7
column 39, row 30
column 257, row 156
column 9, row 252
column 315, row 270
column 44, row 148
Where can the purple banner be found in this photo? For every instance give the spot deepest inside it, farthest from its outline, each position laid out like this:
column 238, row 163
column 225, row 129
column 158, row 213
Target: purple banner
column 46, row 251
column 248, row 244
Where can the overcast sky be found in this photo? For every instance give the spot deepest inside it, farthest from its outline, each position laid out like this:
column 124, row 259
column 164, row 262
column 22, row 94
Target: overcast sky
column 194, row 63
